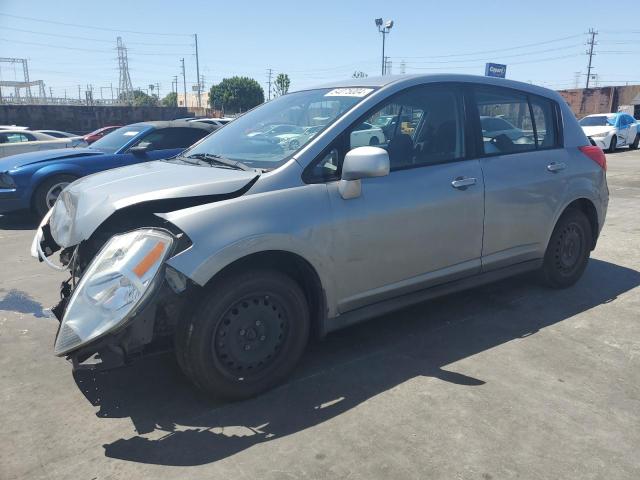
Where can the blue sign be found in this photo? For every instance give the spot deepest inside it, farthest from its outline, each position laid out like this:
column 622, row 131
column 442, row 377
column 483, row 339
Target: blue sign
column 495, row 70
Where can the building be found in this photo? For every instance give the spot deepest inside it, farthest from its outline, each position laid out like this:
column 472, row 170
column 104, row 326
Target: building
column 192, row 99
column 586, row 101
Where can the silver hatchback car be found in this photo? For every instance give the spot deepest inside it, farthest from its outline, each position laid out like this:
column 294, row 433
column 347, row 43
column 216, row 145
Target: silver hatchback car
column 241, row 248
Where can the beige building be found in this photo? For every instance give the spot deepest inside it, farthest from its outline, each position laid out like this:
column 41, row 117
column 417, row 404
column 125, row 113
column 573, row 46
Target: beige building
column 192, row 99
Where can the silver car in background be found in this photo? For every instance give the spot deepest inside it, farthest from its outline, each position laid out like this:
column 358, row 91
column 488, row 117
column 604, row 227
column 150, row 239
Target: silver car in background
column 240, row 249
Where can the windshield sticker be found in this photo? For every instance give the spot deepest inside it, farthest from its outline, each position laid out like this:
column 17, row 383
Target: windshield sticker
column 130, row 133
column 349, row 92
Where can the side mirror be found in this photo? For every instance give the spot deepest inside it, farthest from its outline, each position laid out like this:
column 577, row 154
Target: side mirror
column 359, row 163
column 139, row 149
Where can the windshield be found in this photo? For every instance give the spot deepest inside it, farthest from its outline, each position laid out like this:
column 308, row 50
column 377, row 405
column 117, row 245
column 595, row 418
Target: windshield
column 267, row 136
column 598, row 121
column 114, row 141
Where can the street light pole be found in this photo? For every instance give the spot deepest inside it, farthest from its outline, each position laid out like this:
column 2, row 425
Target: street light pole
column 384, row 28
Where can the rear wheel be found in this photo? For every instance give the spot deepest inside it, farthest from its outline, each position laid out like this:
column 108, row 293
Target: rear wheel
column 374, row 141
column 635, row 143
column 613, row 145
column 246, row 335
column 47, row 193
column 568, row 251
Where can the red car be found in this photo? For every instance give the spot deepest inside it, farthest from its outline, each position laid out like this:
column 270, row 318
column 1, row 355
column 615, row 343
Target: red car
column 98, row 134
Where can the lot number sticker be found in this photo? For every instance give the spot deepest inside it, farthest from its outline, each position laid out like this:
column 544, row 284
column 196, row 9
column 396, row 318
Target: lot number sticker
column 349, row 92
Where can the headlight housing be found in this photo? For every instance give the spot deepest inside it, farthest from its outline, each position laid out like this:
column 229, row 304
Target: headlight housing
column 6, row 181
column 62, row 218
column 113, row 287
column 601, row 134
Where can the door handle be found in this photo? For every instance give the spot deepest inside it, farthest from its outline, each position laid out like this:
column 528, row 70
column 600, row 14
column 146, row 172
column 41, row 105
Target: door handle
column 463, row 182
column 556, row 167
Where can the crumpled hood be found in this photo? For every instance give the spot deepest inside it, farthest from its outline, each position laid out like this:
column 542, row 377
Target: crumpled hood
column 21, row 159
column 589, row 131
column 89, row 201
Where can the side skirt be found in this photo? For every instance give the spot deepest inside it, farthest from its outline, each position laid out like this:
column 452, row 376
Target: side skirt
column 381, row 308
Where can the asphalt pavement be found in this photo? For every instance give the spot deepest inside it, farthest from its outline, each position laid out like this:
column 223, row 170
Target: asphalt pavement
column 511, row 380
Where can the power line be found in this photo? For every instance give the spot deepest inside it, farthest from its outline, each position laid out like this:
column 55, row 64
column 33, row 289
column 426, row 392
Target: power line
column 501, row 56
column 500, row 49
column 93, row 27
column 91, row 50
column 93, row 39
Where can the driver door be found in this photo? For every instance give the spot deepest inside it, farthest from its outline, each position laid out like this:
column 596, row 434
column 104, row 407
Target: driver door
column 163, row 143
column 412, row 228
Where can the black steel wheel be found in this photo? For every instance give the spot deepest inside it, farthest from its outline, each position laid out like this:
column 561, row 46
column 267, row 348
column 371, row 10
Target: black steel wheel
column 568, row 251
column 636, row 141
column 613, row 145
column 246, row 336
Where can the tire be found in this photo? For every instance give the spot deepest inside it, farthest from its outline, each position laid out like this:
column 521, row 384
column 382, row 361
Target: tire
column 568, row 251
column 48, row 191
column 246, row 335
column 374, row 141
column 613, row 144
column 634, row 145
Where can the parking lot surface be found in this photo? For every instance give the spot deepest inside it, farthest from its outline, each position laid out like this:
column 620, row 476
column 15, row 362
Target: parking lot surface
column 511, row 380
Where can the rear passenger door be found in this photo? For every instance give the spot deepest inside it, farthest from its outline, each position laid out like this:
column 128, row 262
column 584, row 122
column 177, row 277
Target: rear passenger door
column 524, row 174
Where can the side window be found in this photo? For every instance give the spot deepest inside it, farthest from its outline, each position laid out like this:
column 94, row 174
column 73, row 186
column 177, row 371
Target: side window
column 419, row 127
column 543, row 117
column 506, row 121
column 17, row 138
column 169, row 138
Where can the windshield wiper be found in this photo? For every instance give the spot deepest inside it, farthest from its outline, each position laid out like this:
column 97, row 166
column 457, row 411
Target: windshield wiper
column 212, row 158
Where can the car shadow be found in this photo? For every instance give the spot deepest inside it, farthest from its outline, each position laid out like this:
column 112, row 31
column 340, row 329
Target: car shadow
column 177, row 425
column 18, row 221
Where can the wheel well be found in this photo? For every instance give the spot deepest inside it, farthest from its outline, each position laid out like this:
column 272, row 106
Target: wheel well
column 587, row 207
column 44, row 179
column 295, row 267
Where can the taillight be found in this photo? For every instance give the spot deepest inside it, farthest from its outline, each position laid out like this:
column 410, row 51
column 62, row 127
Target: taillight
column 596, row 154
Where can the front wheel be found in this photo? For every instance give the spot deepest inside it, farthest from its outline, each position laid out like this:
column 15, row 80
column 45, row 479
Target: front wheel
column 47, row 193
column 568, row 251
column 613, row 145
column 246, row 335
column 634, row 145
column 374, row 141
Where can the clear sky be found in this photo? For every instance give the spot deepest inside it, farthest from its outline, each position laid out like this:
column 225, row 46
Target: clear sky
column 315, row 42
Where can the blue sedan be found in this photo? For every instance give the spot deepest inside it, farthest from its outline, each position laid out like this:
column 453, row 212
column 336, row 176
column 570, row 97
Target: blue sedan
column 34, row 180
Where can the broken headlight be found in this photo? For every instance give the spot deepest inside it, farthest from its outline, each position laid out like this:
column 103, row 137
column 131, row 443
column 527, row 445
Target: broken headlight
column 113, row 286
column 63, row 218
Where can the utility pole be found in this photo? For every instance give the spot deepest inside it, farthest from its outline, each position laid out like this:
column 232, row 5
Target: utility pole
column 269, row 75
column 591, row 42
column 195, row 35
column 79, row 96
column 184, row 83
column 111, row 87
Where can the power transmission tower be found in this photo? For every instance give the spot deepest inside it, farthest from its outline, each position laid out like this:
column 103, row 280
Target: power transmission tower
column 576, row 79
column 403, row 67
column 388, row 66
column 591, row 42
column 125, row 86
column 269, row 75
column 184, row 82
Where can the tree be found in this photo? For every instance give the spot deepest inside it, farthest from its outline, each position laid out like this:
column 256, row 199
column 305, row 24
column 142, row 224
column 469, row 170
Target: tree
column 359, row 74
column 141, row 99
column 281, row 85
column 236, row 94
column 171, row 100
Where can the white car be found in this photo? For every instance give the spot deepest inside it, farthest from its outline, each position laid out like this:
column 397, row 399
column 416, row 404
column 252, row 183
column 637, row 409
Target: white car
column 21, row 141
column 612, row 130
column 13, row 127
column 366, row 134
column 293, row 140
column 78, row 140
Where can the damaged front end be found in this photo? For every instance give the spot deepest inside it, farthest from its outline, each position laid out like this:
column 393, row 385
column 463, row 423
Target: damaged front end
column 121, row 301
